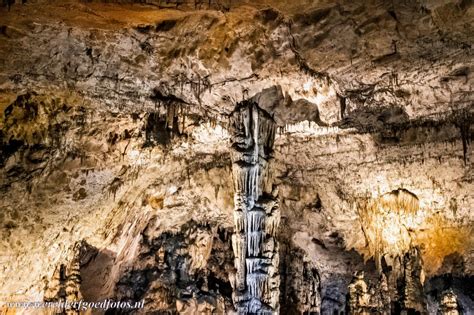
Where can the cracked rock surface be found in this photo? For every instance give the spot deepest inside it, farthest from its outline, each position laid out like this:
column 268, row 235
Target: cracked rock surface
column 124, row 175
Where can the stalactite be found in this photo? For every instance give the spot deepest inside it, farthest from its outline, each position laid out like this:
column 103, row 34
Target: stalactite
column 254, row 265
column 380, row 221
column 256, row 220
column 257, row 284
column 256, row 215
column 465, row 130
column 239, row 221
column 238, row 244
column 254, row 244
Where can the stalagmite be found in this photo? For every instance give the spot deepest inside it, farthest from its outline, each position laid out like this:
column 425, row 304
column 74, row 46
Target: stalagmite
column 449, row 304
column 358, row 297
column 55, row 288
column 256, row 215
column 412, row 297
column 384, row 295
column 73, row 283
column 65, row 285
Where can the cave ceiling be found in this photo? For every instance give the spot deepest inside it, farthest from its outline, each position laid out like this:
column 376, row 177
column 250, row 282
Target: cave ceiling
column 238, row 156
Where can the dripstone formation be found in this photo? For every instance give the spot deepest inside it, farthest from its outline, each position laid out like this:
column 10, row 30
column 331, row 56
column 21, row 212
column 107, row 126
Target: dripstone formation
column 411, row 288
column 64, row 287
column 449, row 304
column 406, row 296
column 256, row 213
column 238, row 156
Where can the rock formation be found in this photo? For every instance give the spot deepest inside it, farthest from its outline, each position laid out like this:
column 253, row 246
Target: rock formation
column 238, row 156
column 65, row 285
column 411, row 291
column 449, row 304
column 257, row 213
column 359, row 299
column 301, row 284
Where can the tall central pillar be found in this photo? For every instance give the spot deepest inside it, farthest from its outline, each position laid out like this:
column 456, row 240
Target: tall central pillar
column 256, row 214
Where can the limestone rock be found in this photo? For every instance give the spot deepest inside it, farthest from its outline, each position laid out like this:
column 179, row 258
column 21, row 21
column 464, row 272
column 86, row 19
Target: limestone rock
column 449, row 304
column 238, row 156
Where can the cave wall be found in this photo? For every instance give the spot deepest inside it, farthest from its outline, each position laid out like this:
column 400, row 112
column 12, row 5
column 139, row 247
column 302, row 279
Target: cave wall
column 117, row 160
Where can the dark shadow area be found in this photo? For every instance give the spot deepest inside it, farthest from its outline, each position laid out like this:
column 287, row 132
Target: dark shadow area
column 95, row 271
column 462, row 286
column 284, row 110
column 392, row 126
column 161, row 273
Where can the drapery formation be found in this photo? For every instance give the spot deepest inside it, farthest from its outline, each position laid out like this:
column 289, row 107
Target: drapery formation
column 256, row 214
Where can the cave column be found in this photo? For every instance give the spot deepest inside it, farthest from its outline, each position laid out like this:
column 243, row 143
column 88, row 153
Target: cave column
column 256, row 213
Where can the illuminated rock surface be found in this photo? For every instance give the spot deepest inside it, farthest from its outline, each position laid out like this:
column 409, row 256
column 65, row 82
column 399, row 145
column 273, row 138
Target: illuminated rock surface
column 227, row 156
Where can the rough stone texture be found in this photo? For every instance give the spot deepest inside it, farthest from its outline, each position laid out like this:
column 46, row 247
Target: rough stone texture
column 449, row 304
column 359, row 298
column 115, row 135
column 301, row 287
